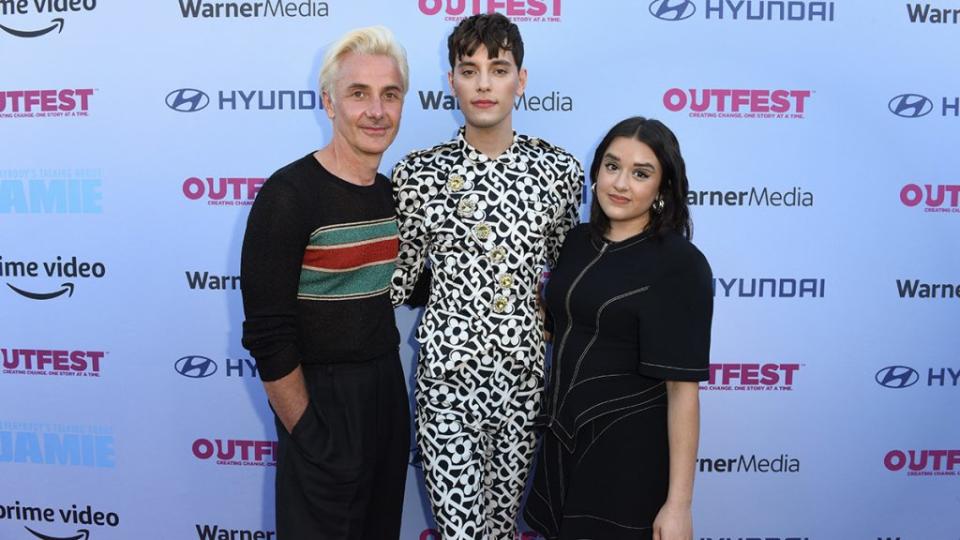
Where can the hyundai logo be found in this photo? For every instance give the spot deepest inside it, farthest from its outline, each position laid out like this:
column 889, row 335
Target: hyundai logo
column 195, row 367
column 897, row 377
column 187, row 100
column 672, row 10
column 910, row 105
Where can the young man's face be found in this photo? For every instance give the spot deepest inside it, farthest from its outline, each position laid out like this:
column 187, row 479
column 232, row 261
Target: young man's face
column 367, row 102
column 487, row 87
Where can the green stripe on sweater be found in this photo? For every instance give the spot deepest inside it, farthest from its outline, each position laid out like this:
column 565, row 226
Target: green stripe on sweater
column 358, row 233
column 359, row 281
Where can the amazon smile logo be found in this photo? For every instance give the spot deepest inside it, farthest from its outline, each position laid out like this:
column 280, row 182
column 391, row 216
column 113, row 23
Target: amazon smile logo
column 60, row 269
column 82, row 534
column 53, row 8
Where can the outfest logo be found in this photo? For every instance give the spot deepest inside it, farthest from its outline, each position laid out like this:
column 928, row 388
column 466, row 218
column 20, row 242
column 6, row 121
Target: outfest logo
column 223, row 190
column 51, row 362
column 517, row 10
column 923, row 462
column 239, row 452
column 738, row 103
column 752, row 377
column 49, row 103
column 43, row 16
column 932, row 198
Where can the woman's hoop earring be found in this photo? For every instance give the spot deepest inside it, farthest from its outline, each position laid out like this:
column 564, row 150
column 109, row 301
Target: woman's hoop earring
column 658, row 204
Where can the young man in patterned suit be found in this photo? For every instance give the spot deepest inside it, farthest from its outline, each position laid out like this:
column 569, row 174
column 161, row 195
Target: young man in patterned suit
column 488, row 209
column 318, row 256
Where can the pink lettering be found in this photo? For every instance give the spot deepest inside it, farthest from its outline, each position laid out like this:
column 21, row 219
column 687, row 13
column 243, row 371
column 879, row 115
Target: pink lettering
column 769, row 374
column 704, row 100
column 84, row 95
column 800, row 96
column 749, row 374
column 780, row 102
column 202, row 448
column 254, row 185
column 67, row 103
column 193, row 188
column 61, row 361
column 954, row 191
column 894, row 460
column 788, row 371
column 759, row 101
column 226, row 452
column 539, row 9
column 263, row 449
column 48, row 100
column 94, row 357
column 911, row 195
column 493, row 5
column 932, row 200
column 675, row 99
column 739, row 98
column 430, row 7
column 953, row 459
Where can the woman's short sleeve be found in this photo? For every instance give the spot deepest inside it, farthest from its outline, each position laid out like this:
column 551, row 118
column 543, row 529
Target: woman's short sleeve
column 674, row 329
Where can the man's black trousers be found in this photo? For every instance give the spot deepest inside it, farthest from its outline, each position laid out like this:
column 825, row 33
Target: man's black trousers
column 341, row 473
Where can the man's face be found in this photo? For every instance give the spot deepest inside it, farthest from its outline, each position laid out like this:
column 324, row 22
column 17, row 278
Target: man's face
column 487, row 87
column 367, row 102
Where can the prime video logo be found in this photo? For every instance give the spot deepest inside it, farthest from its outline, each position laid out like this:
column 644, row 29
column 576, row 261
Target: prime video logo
column 45, row 8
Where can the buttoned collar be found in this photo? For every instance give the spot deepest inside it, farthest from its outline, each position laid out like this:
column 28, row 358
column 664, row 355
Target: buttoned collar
column 508, row 157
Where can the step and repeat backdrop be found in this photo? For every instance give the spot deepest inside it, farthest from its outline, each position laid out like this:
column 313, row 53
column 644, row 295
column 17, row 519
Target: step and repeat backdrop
column 820, row 138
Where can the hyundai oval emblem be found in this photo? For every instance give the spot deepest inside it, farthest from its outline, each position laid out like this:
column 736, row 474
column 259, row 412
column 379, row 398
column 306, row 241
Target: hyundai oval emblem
column 897, row 377
column 195, row 367
column 673, row 10
column 187, row 100
column 910, row 105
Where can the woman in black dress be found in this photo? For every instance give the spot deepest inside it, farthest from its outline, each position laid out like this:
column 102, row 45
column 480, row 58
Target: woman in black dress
column 630, row 303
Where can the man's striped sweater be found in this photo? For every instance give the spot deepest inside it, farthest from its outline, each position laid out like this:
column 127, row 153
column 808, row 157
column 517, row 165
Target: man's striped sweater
column 315, row 272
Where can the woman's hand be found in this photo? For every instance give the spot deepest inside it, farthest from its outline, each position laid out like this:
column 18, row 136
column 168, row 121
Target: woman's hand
column 674, row 522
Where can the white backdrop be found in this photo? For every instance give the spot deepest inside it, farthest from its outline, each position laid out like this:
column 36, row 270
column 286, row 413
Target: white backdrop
column 820, row 138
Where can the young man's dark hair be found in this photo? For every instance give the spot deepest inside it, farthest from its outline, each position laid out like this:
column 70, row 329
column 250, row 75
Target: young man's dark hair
column 492, row 30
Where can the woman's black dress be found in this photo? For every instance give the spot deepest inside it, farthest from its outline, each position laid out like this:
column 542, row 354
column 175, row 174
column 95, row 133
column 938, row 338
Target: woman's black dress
column 626, row 317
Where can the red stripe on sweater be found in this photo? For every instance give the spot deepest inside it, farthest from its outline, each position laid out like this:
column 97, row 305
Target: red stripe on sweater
column 335, row 258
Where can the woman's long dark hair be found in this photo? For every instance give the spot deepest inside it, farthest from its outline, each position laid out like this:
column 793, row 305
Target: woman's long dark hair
column 673, row 181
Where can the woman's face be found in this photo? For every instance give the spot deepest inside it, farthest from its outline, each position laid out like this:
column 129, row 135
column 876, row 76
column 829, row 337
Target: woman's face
column 627, row 184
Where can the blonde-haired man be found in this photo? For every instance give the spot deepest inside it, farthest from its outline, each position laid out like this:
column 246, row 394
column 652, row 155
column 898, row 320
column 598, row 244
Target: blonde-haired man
column 318, row 253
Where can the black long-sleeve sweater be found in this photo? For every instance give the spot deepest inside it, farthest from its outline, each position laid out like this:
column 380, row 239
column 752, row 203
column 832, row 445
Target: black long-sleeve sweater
column 315, row 270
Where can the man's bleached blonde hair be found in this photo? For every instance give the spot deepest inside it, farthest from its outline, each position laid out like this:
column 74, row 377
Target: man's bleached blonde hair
column 369, row 40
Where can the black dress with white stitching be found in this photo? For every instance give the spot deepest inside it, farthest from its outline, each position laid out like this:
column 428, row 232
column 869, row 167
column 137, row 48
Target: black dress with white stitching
column 626, row 316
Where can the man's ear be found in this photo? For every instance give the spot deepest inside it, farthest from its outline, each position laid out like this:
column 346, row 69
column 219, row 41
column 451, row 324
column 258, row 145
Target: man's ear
column 450, row 82
column 522, row 75
column 327, row 104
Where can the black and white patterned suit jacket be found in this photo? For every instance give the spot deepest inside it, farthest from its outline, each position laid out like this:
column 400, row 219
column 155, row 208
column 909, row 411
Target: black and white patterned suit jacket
column 488, row 226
